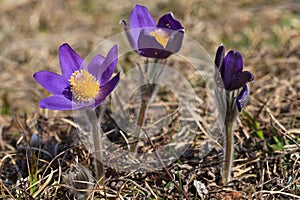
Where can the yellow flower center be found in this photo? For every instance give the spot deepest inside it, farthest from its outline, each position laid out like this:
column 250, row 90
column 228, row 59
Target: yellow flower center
column 84, row 86
column 161, row 36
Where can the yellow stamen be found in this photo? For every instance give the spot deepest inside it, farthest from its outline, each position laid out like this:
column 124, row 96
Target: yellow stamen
column 161, row 36
column 84, row 86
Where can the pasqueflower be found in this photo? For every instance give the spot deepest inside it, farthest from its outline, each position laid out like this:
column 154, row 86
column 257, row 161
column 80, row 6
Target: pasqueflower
column 79, row 86
column 230, row 75
column 150, row 39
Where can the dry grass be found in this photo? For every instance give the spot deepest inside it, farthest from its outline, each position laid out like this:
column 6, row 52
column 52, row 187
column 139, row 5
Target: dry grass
column 39, row 148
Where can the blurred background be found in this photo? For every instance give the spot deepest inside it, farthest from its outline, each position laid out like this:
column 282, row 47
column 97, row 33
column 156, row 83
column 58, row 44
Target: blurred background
column 266, row 33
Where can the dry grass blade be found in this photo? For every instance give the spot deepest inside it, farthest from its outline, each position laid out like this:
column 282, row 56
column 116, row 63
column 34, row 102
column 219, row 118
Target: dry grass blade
column 45, row 184
column 278, row 192
column 281, row 128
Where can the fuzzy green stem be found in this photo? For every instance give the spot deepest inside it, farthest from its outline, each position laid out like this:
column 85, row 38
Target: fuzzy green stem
column 97, row 146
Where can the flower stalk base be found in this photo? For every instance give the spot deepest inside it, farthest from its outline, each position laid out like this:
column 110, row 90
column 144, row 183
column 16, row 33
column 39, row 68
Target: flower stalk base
column 228, row 152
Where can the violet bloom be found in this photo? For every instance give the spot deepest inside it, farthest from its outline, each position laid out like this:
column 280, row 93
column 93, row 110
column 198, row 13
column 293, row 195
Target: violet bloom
column 230, row 75
column 232, row 94
column 150, row 39
column 79, row 86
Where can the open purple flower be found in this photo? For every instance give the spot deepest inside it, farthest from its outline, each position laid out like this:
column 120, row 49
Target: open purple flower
column 79, row 86
column 230, row 75
column 153, row 40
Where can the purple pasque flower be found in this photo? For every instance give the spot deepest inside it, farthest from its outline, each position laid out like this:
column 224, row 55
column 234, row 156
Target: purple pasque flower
column 150, row 39
column 79, row 86
column 230, row 75
column 230, row 72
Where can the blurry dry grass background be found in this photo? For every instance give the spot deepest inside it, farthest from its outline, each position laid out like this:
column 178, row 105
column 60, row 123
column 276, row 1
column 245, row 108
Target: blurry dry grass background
column 267, row 33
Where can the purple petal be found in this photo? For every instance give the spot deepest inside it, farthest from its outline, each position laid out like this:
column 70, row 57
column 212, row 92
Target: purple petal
column 109, row 66
column 242, row 98
column 141, row 18
column 96, row 65
column 149, row 46
column 231, row 67
column 169, row 22
column 52, row 82
column 241, row 80
column 219, row 56
column 129, row 34
column 70, row 61
column 218, row 63
column 175, row 42
column 58, row 102
column 106, row 89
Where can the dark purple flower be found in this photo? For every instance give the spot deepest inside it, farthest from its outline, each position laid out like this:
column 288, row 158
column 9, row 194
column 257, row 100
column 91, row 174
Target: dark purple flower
column 153, row 40
column 79, row 86
column 230, row 75
column 229, row 72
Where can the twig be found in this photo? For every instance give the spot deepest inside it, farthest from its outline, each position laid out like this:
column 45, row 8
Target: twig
column 278, row 192
column 164, row 166
column 280, row 128
column 6, row 189
column 137, row 185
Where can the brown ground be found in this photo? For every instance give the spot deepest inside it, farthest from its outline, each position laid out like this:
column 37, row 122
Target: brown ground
column 267, row 159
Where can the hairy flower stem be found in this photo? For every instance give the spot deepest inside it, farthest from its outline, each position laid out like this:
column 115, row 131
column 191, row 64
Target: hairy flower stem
column 228, row 151
column 165, row 168
column 146, row 92
column 153, row 69
column 95, row 117
column 97, row 147
column 230, row 117
column 93, row 133
column 141, row 117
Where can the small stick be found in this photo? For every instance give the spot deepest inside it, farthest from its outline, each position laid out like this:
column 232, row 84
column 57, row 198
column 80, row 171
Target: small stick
column 164, row 166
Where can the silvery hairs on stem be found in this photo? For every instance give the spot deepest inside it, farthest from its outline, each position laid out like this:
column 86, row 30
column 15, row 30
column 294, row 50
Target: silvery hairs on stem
column 232, row 94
